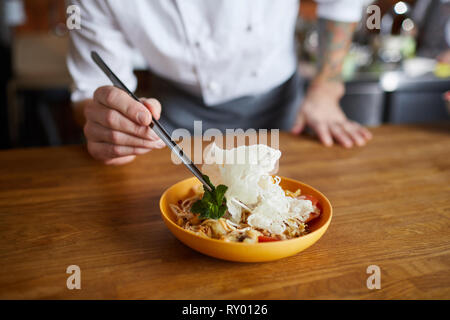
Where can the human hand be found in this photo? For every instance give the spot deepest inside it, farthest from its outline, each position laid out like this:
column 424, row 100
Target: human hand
column 321, row 112
column 117, row 127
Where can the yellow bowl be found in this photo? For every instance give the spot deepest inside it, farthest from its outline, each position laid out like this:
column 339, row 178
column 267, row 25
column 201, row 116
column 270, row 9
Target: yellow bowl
column 245, row 252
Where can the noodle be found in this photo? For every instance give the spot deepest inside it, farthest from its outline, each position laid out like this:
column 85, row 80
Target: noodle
column 227, row 230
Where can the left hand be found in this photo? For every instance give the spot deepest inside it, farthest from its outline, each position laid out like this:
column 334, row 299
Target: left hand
column 321, row 112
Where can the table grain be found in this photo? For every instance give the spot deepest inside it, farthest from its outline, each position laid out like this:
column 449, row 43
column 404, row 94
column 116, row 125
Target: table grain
column 391, row 201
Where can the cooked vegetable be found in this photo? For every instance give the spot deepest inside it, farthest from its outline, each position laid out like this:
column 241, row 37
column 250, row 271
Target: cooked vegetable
column 317, row 211
column 312, row 199
column 217, row 228
column 313, row 215
column 267, row 239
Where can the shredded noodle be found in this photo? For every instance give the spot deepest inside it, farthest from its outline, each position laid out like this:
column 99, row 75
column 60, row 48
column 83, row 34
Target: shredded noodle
column 227, row 230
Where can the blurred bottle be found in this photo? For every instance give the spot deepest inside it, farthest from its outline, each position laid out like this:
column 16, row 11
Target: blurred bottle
column 397, row 35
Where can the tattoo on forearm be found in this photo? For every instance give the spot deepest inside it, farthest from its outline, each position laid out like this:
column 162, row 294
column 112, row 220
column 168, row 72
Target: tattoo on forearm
column 334, row 41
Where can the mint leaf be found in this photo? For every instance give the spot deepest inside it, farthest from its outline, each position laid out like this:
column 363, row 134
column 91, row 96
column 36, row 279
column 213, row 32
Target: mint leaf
column 213, row 203
column 198, row 207
column 208, row 181
column 222, row 210
column 220, row 193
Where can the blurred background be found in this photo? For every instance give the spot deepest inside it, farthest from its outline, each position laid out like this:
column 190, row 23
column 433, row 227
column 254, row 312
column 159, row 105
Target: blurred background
column 399, row 73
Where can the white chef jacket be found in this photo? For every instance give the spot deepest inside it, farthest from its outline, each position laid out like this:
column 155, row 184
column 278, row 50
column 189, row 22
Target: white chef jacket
column 219, row 49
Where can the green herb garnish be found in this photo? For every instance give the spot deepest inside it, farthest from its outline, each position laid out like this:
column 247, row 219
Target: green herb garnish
column 213, row 203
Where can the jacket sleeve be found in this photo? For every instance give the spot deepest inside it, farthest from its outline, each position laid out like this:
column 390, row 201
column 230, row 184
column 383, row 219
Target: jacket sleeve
column 100, row 32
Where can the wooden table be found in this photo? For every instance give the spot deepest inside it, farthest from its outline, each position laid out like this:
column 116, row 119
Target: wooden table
column 391, row 209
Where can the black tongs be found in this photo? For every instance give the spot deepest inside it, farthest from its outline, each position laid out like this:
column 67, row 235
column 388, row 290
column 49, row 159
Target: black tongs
column 155, row 125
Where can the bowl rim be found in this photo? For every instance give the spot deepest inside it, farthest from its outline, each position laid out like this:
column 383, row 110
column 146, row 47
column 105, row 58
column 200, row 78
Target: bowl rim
column 271, row 243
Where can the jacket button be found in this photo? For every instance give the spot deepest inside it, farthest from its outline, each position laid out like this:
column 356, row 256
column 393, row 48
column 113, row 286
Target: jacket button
column 214, row 87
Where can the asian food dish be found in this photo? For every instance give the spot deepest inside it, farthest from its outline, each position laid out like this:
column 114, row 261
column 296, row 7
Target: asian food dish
column 246, row 203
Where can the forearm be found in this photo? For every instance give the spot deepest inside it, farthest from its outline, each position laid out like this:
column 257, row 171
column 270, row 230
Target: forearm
column 334, row 42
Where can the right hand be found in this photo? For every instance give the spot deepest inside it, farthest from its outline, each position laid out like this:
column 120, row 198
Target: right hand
column 117, row 127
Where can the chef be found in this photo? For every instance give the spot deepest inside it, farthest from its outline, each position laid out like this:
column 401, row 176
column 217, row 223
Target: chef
column 228, row 63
